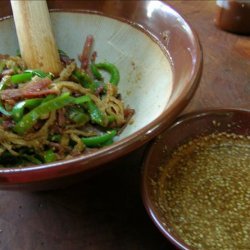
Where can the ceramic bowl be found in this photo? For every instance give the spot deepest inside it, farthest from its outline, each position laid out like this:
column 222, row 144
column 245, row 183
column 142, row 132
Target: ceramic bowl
column 159, row 57
column 159, row 158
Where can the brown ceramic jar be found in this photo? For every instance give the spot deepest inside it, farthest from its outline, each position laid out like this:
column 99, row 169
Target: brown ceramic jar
column 233, row 16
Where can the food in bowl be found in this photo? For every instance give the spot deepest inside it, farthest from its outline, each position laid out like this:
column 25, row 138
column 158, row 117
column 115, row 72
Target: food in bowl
column 45, row 118
column 159, row 59
column 199, row 193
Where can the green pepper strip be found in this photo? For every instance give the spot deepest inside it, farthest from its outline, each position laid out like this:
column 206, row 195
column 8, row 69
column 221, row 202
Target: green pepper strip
column 31, row 118
column 84, row 79
column 82, row 99
column 96, row 73
column 4, row 111
column 44, row 108
column 3, row 84
column 5, row 81
column 48, row 98
column 49, row 156
column 95, row 113
column 18, row 109
column 99, row 141
column 39, row 73
column 78, row 116
column 112, row 70
column 108, row 142
column 19, row 78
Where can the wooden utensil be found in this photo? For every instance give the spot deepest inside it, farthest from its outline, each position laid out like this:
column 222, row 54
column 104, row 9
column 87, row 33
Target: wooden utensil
column 35, row 35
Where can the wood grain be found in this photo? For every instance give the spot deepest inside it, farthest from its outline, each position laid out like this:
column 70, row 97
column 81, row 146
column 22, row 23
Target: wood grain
column 35, row 36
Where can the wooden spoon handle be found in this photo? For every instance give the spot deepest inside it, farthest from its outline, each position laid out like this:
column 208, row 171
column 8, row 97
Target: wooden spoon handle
column 35, row 36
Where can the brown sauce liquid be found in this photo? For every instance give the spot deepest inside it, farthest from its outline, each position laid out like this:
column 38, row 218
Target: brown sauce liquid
column 204, row 192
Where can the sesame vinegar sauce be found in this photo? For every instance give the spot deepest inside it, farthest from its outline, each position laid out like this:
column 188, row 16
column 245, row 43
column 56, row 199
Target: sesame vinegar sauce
column 204, row 192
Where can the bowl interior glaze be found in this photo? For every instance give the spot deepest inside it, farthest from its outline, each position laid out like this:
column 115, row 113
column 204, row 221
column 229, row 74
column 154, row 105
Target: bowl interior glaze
column 159, row 58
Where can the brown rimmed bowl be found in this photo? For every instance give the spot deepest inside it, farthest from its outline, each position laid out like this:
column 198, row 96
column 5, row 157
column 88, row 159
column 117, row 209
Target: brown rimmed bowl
column 160, row 61
column 159, row 152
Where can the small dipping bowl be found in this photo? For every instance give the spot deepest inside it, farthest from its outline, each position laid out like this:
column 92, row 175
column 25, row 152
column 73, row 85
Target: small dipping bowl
column 196, row 180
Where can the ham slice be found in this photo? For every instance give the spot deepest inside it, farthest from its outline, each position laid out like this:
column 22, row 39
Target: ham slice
column 37, row 88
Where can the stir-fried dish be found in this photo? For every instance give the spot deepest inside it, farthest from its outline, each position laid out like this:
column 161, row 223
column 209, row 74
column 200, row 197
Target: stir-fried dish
column 44, row 118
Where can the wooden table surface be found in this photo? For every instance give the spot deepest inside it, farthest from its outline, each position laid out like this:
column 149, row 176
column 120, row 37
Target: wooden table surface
column 105, row 211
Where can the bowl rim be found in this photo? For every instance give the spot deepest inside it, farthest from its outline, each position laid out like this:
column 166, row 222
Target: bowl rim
column 147, row 202
column 35, row 173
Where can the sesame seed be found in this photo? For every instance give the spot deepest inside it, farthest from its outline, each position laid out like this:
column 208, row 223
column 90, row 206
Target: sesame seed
column 204, row 192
